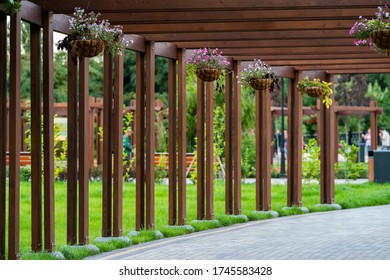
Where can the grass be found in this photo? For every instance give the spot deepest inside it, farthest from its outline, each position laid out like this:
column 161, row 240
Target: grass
column 348, row 196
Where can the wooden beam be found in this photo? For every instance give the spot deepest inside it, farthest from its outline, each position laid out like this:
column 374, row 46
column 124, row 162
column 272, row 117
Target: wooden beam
column 118, row 146
column 36, row 142
column 182, row 137
column 200, row 167
column 140, row 141
column 237, row 134
column 150, row 134
column 48, row 131
column 3, row 132
column 167, row 50
column 209, row 169
column 83, row 173
column 294, row 144
column 72, row 171
column 172, row 141
column 107, row 146
column 14, row 139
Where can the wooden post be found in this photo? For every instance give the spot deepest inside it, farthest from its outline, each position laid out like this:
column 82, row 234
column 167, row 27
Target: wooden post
column 14, row 139
column 263, row 148
column 327, row 151
column 99, row 123
column 91, row 134
column 140, row 141
column 118, row 145
column 150, row 133
column 229, row 116
column 237, row 140
column 336, row 134
column 374, row 127
column 48, row 130
column 200, row 130
column 107, row 146
column 294, row 144
column 209, row 191
column 3, row 131
column 182, row 137
column 172, row 142
column 72, row 151
column 83, row 150
column 36, row 143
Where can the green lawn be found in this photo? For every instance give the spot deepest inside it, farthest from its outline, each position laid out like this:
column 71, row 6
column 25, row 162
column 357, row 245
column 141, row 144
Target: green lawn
column 348, row 196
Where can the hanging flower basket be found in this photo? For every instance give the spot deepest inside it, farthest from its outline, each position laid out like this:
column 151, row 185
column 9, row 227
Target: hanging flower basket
column 314, row 91
column 208, row 74
column 381, row 38
column 87, row 48
column 316, row 88
column 259, row 76
column 260, row 84
column 89, row 36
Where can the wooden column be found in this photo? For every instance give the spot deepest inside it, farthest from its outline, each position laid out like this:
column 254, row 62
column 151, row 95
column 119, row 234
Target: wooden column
column 263, row 150
column 48, row 133
column 200, row 136
column 3, row 131
column 91, row 134
column 36, row 143
column 229, row 116
column 118, row 145
column 182, row 137
column 294, row 144
column 71, row 238
column 140, row 141
column 209, row 190
column 14, row 139
column 327, row 151
column 237, row 140
column 83, row 150
column 374, row 127
column 107, row 146
column 150, row 133
column 172, row 142
column 99, row 143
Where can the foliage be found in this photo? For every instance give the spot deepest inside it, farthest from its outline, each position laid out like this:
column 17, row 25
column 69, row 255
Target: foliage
column 259, row 70
column 352, row 169
column 160, row 170
column 207, row 58
column 11, row 7
column 311, row 161
column 85, row 26
column 248, row 155
column 325, row 86
column 362, row 29
column 60, row 147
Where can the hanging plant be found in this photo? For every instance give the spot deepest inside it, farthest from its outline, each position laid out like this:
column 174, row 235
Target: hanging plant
column 11, row 7
column 207, row 63
column 374, row 32
column 259, row 76
column 89, row 37
column 316, row 88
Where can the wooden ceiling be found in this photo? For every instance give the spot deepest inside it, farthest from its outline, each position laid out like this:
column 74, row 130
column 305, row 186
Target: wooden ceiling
column 305, row 34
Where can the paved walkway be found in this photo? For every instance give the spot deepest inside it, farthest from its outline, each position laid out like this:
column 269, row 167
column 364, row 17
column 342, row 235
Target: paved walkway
column 355, row 234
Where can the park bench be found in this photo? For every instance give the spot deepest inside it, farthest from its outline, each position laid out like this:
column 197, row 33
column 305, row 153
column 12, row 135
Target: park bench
column 162, row 159
column 25, row 158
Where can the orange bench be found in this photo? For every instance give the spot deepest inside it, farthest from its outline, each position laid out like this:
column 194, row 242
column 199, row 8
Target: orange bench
column 25, row 158
column 163, row 159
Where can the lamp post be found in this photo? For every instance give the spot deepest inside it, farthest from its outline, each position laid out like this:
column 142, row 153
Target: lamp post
column 282, row 151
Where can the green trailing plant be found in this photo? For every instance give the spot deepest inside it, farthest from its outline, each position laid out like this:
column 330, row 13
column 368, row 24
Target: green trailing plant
column 306, row 85
column 11, row 7
column 352, row 169
column 311, row 161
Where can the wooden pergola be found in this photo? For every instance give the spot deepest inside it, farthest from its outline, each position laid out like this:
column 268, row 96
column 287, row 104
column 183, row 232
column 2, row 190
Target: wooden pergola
column 299, row 38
